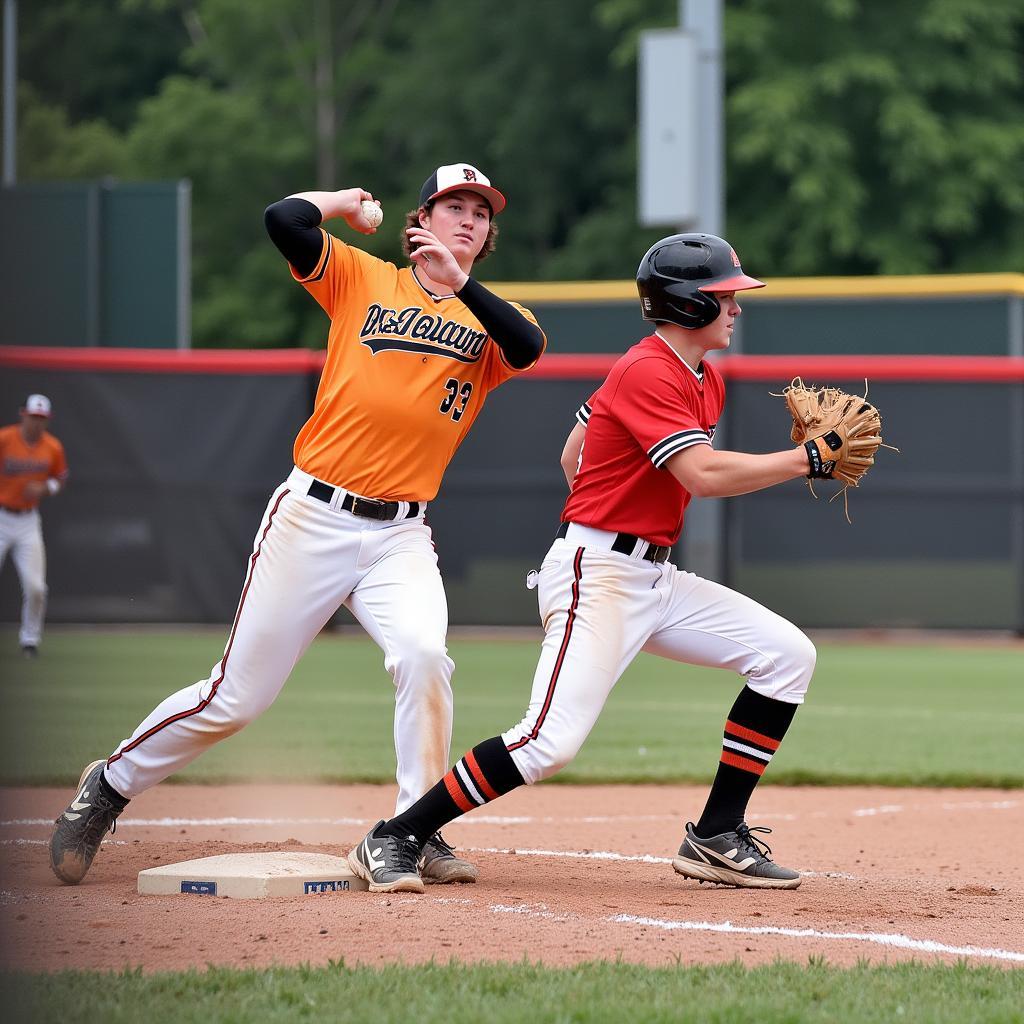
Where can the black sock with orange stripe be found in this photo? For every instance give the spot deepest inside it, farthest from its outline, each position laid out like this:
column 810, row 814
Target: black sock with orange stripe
column 753, row 732
column 482, row 775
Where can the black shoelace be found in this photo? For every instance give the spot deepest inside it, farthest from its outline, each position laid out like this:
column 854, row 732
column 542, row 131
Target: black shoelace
column 102, row 819
column 438, row 840
column 407, row 853
column 754, row 845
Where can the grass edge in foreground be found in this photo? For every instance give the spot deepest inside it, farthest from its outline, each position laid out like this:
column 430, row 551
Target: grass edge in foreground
column 500, row 992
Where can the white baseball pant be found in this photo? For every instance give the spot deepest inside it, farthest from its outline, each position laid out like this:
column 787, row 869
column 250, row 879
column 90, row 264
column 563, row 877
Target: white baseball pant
column 22, row 536
column 308, row 559
column 600, row 609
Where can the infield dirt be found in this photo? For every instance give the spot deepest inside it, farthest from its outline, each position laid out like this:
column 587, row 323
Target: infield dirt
column 568, row 874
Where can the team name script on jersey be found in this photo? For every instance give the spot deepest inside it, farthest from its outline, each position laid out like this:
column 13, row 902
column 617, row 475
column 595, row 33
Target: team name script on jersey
column 20, row 467
column 412, row 330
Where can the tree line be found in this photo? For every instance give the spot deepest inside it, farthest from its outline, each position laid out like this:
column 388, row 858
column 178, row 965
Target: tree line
column 862, row 138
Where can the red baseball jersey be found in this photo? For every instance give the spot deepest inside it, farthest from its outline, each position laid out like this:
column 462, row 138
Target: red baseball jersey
column 651, row 406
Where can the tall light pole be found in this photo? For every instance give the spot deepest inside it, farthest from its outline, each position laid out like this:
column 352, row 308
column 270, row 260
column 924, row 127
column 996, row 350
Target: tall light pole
column 10, row 127
column 704, row 540
column 702, row 19
column 681, row 181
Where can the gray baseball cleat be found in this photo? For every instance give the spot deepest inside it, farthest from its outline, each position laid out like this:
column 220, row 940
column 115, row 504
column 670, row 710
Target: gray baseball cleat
column 78, row 832
column 439, row 865
column 387, row 863
column 732, row 858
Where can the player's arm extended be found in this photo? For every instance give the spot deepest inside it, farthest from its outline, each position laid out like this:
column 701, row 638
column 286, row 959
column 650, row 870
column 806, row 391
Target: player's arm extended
column 707, row 473
column 520, row 341
column 294, row 223
column 571, row 452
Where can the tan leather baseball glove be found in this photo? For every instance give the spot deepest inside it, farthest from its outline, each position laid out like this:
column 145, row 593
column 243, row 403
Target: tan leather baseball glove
column 840, row 432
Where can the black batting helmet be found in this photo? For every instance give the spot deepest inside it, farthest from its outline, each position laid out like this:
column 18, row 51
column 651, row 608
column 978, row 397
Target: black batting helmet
column 678, row 277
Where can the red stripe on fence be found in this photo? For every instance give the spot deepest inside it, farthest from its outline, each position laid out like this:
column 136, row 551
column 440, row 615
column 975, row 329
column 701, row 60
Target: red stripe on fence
column 773, row 369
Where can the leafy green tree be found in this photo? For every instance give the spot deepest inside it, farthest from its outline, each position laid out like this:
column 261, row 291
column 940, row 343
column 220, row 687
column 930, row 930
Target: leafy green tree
column 96, row 59
column 877, row 138
column 862, row 138
column 548, row 113
column 236, row 158
column 540, row 100
column 246, row 125
column 52, row 148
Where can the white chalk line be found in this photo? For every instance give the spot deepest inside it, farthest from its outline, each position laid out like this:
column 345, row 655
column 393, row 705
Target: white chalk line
column 201, row 822
column 952, row 805
column 494, row 819
column 611, row 855
column 870, row 812
column 482, row 819
column 605, row 855
column 46, row 842
column 550, row 915
column 889, row 939
column 892, row 940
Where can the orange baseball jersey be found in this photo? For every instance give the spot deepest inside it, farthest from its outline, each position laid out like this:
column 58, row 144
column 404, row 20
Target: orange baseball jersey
column 405, row 377
column 20, row 463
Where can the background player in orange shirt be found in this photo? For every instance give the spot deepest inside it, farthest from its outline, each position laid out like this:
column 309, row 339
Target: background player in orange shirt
column 411, row 355
column 32, row 465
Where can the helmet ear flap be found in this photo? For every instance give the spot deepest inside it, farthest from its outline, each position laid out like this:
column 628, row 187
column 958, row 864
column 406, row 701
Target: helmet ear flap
column 693, row 310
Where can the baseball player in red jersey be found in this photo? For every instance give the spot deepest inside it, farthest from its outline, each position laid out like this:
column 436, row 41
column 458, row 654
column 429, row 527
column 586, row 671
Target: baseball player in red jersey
column 412, row 354
column 641, row 450
column 32, row 466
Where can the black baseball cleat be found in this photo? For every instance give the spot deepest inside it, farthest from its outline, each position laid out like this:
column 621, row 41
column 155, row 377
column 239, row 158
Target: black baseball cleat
column 386, row 862
column 439, row 865
column 29, row 651
column 732, row 858
column 78, row 832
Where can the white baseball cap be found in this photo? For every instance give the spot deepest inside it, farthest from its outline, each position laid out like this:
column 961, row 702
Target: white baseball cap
column 37, row 405
column 461, row 178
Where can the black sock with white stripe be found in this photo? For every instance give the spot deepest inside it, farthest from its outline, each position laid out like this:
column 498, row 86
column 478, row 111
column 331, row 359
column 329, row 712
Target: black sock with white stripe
column 753, row 732
column 480, row 776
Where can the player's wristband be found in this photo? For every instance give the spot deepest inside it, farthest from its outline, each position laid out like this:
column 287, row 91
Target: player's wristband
column 53, row 485
column 821, row 467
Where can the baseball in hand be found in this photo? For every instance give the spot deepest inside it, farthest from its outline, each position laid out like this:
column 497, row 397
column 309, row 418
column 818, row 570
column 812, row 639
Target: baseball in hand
column 372, row 212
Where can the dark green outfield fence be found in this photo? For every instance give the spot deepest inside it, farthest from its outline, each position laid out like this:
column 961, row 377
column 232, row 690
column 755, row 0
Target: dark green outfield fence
column 956, row 314
column 96, row 263
column 173, row 457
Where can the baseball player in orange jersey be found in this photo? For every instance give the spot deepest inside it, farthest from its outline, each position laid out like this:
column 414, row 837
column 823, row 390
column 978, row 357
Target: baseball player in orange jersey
column 32, row 466
column 641, row 450
column 411, row 356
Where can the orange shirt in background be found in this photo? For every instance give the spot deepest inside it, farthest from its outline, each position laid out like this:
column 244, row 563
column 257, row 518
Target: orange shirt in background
column 406, row 375
column 20, row 462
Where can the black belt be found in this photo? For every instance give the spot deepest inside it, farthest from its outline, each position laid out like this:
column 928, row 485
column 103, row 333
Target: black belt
column 625, row 544
column 365, row 508
column 16, row 511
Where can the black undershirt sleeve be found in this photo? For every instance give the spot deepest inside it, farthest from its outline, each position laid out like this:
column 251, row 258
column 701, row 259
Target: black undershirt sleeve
column 520, row 341
column 294, row 227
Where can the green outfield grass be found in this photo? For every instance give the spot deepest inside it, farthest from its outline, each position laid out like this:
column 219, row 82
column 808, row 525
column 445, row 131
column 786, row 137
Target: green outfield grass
column 507, row 993
column 894, row 715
